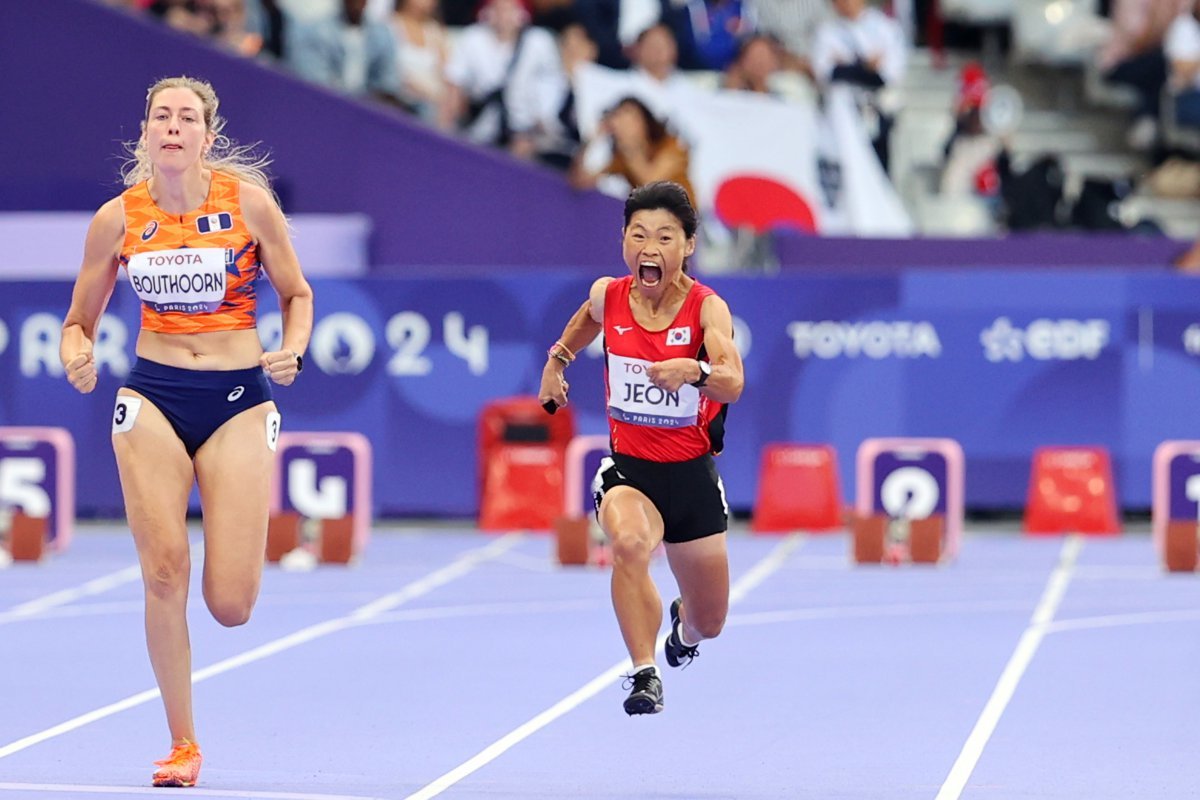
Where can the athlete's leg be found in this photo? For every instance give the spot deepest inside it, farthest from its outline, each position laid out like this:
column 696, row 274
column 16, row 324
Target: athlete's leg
column 701, row 567
column 635, row 528
column 156, row 479
column 234, row 472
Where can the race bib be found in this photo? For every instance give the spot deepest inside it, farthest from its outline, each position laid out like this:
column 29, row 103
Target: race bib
column 273, row 420
column 191, row 279
column 634, row 399
column 125, row 413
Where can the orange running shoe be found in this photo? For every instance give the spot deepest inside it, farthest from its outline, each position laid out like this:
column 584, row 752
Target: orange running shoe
column 181, row 768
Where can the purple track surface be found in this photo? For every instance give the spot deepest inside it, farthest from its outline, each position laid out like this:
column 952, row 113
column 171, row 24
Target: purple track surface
column 1031, row 668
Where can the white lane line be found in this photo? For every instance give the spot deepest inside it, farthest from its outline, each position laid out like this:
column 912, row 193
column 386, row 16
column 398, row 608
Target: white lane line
column 870, row 611
column 484, row 610
column 1056, row 588
column 740, row 589
column 68, row 788
column 65, row 596
column 461, row 566
column 93, row 587
column 1118, row 620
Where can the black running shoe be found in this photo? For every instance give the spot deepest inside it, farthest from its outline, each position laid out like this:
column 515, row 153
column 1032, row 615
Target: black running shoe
column 674, row 648
column 646, row 696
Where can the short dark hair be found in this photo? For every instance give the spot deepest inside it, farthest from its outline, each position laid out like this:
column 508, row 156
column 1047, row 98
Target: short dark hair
column 667, row 195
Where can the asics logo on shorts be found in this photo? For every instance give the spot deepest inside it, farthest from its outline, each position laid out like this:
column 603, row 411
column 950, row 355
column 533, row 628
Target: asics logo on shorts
column 235, row 394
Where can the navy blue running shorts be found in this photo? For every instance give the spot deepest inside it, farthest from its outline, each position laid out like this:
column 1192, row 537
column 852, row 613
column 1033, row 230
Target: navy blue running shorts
column 195, row 402
column 688, row 494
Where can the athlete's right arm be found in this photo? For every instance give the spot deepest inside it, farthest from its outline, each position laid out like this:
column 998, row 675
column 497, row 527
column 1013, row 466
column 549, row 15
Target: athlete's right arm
column 581, row 329
column 93, row 287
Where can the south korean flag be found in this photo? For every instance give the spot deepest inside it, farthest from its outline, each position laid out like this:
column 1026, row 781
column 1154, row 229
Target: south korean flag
column 214, row 223
column 679, row 336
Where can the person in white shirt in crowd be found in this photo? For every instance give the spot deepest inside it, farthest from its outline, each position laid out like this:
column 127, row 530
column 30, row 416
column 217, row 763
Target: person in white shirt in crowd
column 793, row 22
column 864, row 48
column 502, row 77
column 553, row 137
column 422, row 52
column 1183, row 54
column 347, row 50
column 1133, row 56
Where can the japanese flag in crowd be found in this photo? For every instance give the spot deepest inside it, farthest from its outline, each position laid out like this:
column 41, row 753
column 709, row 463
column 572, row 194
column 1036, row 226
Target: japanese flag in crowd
column 759, row 161
column 753, row 160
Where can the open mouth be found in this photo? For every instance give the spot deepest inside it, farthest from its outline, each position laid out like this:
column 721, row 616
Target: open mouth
column 649, row 273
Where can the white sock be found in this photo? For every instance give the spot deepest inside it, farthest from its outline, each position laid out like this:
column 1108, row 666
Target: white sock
column 638, row 669
column 683, row 639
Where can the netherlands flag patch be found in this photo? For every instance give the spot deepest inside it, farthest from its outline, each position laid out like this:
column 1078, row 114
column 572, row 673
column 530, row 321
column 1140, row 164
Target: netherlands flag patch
column 214, row 223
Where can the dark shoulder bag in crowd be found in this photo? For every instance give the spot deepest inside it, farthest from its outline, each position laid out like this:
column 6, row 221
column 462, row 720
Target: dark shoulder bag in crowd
column 496, row 97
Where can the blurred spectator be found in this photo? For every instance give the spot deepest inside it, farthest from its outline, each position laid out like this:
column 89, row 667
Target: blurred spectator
column 1183, row 52
column 643, row 150
column 346, row 51
column 502, row 77
column 553, row 15
column 1190, row 260
column 969, row 167
column 190, row 16
column 458, row 13
column 758, row 60
column 1133, row 56
column 555, row 139
column 1032, row 198
column 421, row 55
column 864, row 48
column 229, row 28
column 714, row 28
column 266, row 18
column 655, row 54
column 793, row 22
column 601, row 19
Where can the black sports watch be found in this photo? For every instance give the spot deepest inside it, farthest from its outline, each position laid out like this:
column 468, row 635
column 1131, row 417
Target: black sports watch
column 705, row 371
column 299, row 362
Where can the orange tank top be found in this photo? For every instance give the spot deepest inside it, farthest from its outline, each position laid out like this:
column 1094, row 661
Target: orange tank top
column 194, row 273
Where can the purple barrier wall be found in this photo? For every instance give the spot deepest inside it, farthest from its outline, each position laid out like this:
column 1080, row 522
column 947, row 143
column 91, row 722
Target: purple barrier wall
column 1017, row 250
column 75, row 73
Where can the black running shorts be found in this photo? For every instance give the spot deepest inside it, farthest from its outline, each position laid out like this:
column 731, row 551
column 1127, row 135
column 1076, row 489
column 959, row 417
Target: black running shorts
column 688, row 494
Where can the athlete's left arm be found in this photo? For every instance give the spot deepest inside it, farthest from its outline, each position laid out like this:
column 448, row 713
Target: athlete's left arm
column 728, row 378
column 268, row 227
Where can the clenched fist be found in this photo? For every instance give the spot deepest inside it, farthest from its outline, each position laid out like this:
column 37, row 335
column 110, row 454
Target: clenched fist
column 81, row 371
column 281, row 366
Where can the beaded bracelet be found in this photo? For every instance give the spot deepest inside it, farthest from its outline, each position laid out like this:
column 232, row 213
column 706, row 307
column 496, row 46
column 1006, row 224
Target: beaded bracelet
column 561, row 352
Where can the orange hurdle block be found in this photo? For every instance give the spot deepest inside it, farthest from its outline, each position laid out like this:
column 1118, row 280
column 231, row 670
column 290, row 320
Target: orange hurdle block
column 337, row 540
column 572, row 546
column 283, row 535
column 869, row 533
column 1181, row 549
column 27, row 537
column 925, row 538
